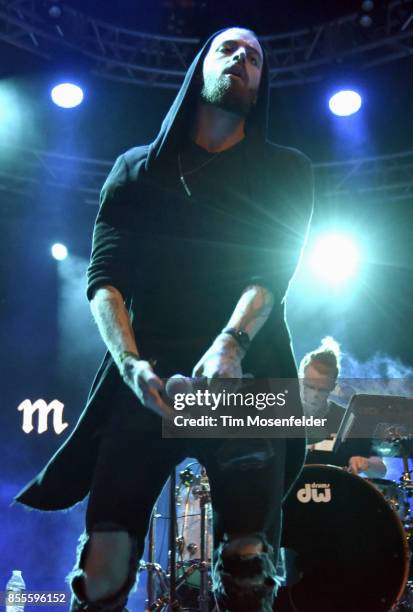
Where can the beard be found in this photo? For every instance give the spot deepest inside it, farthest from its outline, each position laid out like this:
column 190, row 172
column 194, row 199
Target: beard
column 231, row 96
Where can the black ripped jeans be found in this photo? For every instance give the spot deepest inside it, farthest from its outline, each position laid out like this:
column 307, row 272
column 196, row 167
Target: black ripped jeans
column 132, row 466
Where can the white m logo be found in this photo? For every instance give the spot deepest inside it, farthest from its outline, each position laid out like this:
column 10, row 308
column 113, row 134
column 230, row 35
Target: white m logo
column 43, row 409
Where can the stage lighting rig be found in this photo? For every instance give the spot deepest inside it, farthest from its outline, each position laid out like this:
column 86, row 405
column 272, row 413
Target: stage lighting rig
column 335, row 258
column 59, row 251
column 67, row 95
column 55, row 11
column 181, row 17
column 345, row 103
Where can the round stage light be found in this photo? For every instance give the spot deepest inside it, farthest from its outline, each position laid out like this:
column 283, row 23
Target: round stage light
column 335, row 258
column 67, row 95
column 345, row 103
column 59, row 251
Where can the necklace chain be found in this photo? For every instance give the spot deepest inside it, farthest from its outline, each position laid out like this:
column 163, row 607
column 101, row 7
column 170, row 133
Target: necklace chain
column 205, row 163
column 181, row 173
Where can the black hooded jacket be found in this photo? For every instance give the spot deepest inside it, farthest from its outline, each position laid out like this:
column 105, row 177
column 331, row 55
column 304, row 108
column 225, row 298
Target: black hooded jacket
column 181, row 266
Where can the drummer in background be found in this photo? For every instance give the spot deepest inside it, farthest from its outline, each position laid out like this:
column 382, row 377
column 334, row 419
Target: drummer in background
column 318, row 372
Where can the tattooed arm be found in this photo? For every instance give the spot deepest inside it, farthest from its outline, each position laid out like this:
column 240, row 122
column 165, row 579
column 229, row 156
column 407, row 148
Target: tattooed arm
column 112, row 318
column 223, row 358
column 252, row 310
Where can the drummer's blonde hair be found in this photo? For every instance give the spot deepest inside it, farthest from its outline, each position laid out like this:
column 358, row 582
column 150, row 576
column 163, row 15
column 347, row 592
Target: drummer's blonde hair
column 325, row 357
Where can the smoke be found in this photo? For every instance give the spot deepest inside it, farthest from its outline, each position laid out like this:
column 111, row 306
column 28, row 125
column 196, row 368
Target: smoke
column 80, row 346
column 379, row 375
column 378, row 366
column 41, row 544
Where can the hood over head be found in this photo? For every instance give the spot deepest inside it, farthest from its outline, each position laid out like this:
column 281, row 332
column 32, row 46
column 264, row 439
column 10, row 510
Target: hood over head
column 176, row 125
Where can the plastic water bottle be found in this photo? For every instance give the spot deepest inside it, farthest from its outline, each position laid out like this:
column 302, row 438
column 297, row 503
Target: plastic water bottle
column 15, row 585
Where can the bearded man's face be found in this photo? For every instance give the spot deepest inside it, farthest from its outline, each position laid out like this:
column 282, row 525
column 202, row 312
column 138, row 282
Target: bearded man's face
column 232, row 71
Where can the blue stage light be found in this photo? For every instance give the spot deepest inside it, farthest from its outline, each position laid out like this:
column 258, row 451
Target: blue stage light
column 345, row 103
column 67, row 95
column 335, row 258
column 59, row 251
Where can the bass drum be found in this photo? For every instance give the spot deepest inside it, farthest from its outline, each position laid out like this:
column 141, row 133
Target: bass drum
column 350, row 550
column 396, row 497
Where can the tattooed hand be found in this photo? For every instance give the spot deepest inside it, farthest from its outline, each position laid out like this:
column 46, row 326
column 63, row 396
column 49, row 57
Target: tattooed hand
column 222, row 360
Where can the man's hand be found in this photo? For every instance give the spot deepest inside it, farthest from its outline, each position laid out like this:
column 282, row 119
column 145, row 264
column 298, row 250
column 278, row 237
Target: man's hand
column 147, row 386
column 372, row 466
column 222, row 360
column 358, row 464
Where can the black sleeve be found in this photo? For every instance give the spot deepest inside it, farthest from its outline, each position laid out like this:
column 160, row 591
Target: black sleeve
column 290, row 226
column 302, row 212
column 113, row 245
column 305, row 199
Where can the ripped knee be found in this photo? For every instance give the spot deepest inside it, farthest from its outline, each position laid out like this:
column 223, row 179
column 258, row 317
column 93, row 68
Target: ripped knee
column 114, row 602
column 244, row 575
column 243, row 545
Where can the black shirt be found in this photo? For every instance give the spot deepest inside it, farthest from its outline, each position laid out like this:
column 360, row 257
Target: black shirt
column 185, row 261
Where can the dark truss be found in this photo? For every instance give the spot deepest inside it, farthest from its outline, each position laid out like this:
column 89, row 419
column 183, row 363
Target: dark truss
column 161, row 61
column 388, row 177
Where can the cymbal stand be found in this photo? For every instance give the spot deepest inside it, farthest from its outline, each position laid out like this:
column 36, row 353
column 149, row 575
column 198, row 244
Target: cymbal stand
column 405, row 480
column 167, row 600
column 173, row 602
column 162, row 600
column 203, row 599
column 150, row 566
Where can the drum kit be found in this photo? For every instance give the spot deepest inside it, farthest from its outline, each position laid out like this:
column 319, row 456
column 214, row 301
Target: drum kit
column 347, row 544
column 186, row 583
column 349, row 538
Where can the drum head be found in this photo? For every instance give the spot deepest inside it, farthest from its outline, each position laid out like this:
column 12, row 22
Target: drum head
column 352, row 554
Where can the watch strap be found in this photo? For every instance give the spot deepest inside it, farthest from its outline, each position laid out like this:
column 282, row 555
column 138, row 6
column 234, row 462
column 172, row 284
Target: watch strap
column 240, row 336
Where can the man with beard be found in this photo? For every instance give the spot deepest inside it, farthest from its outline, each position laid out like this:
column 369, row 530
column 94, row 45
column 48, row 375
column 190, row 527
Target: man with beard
column 208, row 220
